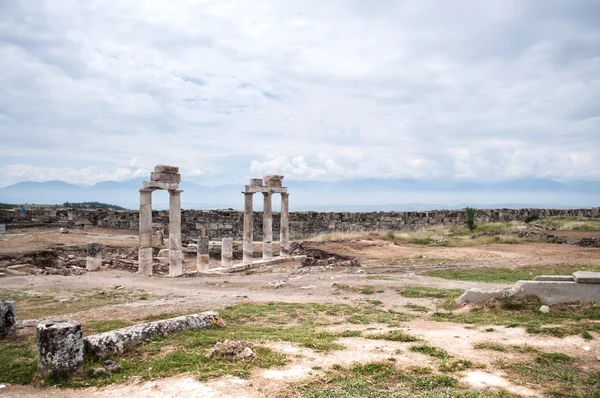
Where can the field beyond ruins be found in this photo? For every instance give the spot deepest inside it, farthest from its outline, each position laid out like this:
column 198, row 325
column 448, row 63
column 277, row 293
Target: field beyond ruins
column 322, row 327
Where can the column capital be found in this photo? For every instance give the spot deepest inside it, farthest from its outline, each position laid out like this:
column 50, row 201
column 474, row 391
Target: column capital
column 267, row 194
column 285, row 194
column 248, row 193
column 175, row 191
column 146, row 190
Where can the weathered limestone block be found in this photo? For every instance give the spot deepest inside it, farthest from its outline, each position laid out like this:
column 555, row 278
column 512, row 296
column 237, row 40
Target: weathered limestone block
column 256, row 182
column 587, row 277
column 8, row 318
column 165, row 177
column 273, row 181
column 202, row 258
column 94, row 256
column 158, row 238
column 227, row 252
column 60, row 348
column 116, row 341
column 163, row 168
column 161, row 185
column 551, row 293
column 476, row 295
column 554, row 278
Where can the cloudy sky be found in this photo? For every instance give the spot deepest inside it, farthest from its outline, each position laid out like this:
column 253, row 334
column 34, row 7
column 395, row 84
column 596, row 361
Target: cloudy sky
column 321, row 90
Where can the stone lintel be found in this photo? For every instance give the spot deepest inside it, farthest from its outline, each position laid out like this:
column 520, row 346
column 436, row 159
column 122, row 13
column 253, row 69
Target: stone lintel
column 161, row 185
column 256, row 182
column 251, row 189
column 587, row 277
column 147, row 189
column 165, row 177
column 163, row 168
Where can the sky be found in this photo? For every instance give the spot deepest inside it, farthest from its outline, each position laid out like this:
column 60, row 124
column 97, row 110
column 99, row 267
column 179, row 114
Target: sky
column 315, row 90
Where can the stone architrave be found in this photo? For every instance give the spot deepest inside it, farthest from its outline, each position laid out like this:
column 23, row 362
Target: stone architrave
column 94, row 256
column 175, row 250
column 60, row 348
column 8, row 318
column 284, row 226
column 267, row 227
column 145, row 250
column 248, row 246
column 202, row 259
column 227, row 252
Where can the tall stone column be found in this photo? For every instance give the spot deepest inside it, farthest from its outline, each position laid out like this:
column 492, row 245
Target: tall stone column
column 227, row 252
column 145, row 250
column 248, row 248
column 202, row 259
column 284, row 226
column 267, row 227
column 175, row 252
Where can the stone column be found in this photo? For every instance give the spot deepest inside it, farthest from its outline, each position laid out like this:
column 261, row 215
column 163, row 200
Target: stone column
column 94, row 256
column 267, row 227
column 227, row 253
column 248, row 248
column 175, row 252
column 145, row 251
column 8, row 318
column 284, row 226
column 60, row 348
column 202, row 257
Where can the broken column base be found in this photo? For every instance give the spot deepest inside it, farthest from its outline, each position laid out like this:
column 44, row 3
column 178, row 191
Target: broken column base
column 582, row 287
column 116, row 341
column 8, row 318
column 60, row 348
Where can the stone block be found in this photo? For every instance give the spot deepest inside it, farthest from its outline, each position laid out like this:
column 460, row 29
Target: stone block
column 587, row 277
column 60, row 348
column 273, row 181
column 165, row 177
column 551, row 293
column 476, row 295
column 169, row 186
column 554, row 278
column 8, row 318
column 202, row 245
column 94, row 256
column 256, row 182
column 163, row 168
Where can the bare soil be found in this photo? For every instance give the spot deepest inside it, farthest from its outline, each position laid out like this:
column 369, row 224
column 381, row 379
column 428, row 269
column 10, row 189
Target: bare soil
column 301, row 285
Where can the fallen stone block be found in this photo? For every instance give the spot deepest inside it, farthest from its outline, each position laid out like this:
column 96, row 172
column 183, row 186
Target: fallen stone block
column 163, row 168
column 117, row 341
column 587, row 277
column 231, row 350
column 554, row 278
column 60, row 348
column 476, row 295
column 551, row 293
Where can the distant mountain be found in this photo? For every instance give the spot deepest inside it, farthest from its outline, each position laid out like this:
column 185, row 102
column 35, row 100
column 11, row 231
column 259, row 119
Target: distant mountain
column 347, row 195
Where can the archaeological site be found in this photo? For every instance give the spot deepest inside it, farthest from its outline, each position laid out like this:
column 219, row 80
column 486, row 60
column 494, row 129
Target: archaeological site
column 257, row 303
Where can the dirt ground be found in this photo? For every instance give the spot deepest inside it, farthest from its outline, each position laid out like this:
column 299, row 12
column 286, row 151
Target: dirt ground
column 300, row 285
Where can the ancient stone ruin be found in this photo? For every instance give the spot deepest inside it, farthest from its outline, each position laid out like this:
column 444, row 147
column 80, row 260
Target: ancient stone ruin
column 272, row 184
column 168, row 178
column 8, row 318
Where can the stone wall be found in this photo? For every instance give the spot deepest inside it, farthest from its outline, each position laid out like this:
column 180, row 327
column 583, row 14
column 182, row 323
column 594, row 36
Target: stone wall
column 229, row 223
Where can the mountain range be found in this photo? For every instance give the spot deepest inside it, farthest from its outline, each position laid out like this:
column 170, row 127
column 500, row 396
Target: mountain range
column 346, row 195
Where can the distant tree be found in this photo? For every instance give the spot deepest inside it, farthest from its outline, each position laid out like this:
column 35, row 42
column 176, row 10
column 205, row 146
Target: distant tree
column 470, row 221
column 92, row 205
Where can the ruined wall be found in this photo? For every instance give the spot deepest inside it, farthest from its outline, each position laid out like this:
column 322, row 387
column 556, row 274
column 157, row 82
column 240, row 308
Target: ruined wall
column 229, row 223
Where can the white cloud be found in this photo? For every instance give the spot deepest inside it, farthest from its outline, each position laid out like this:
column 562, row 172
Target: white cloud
column 319, row 90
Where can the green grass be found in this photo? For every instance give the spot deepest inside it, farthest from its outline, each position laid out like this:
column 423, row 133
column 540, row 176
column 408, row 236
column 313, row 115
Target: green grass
column 490, row 345
column 428, row 292
column 363, row 289
column 381, row 380
column 570, row 223
column 380, row 278
column 416, row 308
column 558, row 374
column 394, row 335
column 563, row 320
column 507, row 275
column 430, row 350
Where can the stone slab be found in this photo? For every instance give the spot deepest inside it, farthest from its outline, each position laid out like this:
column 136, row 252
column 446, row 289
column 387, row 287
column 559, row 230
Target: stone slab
column 587, row 277
column 169, row 186
column 256, row 182
column 476, row 295
column 163, row 168
column 551, row 293
column 165, row 177
column 251, row 189
column 273, row 180
column 554, row 278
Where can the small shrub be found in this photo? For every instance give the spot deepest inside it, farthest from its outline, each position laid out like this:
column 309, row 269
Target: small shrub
column 470, row 213
column 532, row 218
